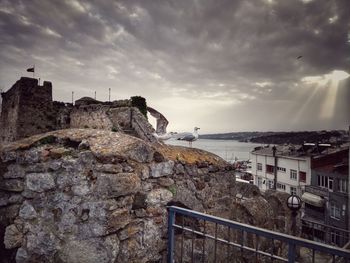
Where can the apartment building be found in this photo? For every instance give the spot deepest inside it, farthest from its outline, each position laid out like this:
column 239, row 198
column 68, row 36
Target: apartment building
column 326, row 213
column 286, row 166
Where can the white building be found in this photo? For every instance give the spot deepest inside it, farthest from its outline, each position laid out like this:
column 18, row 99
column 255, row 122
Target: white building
column 293, row 169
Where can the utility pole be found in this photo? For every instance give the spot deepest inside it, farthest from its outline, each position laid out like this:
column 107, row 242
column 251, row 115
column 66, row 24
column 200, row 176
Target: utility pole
column 95, row 95
column 274, row 168
column 73, row 97
column 109, row 94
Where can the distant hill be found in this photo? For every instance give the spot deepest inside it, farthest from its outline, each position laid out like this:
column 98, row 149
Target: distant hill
column 337, row 136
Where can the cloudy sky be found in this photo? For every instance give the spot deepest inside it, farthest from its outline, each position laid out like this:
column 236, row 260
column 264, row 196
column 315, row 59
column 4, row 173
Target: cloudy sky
column 222, row 65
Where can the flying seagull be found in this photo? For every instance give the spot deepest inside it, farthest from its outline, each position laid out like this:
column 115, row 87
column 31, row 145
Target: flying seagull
column 299, row 57
column 188, row 136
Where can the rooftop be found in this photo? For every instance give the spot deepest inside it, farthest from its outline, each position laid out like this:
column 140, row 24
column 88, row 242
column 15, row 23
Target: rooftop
column 299, row 151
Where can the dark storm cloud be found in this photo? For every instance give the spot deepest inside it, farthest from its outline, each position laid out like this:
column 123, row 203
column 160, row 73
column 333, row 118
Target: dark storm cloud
column 240, row 55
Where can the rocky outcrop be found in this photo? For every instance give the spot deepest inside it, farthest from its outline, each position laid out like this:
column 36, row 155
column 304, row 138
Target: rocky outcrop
column 86, row 195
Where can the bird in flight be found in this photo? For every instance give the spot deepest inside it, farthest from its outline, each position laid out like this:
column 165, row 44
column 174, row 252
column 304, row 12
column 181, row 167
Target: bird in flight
column 299, row 57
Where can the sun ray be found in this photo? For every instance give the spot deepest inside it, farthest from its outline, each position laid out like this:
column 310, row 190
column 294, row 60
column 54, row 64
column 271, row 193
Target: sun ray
column 329, row 83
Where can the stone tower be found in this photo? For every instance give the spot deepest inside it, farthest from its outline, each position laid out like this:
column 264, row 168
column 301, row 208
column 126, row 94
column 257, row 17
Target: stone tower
column 26, row 110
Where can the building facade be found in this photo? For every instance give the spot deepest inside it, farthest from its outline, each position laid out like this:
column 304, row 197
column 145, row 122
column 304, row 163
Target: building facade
column 326, row 216
column 286, row 167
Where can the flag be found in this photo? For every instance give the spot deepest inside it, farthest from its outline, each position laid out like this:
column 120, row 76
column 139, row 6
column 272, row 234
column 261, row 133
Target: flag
column 30, row 69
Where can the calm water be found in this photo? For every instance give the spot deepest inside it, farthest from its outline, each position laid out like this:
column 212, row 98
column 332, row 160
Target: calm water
column 226, row 149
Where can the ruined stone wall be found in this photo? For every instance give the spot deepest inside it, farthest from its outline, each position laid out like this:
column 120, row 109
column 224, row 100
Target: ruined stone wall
column 62, row 114
column 120, row 117
column 27, row 110
column 98, row 196
column 36, row 114
column 111, row 117
column 91, row 116
column 9, row 114
column 142, row 127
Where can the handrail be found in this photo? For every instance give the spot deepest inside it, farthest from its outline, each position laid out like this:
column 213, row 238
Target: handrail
column 292, row 241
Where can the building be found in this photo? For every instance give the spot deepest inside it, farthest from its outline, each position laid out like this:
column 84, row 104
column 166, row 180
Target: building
column 326, row 216
column 285, row 166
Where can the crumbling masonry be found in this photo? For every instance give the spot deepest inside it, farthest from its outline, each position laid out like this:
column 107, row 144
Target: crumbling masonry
column 28, row 109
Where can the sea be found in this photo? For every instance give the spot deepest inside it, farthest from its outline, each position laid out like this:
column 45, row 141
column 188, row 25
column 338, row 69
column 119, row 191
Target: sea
column 229, row 150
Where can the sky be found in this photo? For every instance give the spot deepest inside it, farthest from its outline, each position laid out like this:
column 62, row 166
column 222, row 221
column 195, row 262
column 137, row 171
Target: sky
column 221, row 65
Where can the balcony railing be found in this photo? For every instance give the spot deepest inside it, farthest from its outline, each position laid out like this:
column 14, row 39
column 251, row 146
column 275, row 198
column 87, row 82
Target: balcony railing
column 198, row 237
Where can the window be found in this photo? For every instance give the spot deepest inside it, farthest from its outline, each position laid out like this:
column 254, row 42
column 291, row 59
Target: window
column 330, row 184
column 342, row 185
column 335, row 237
column 281, row 169
column 293, row 190
column 293, row 174
column 302, row 177
column 259, row 166
column 322, row 181
column 281, row 186
column 325, row 182
column 269, row 168
column 270, row 184
column 335, row 211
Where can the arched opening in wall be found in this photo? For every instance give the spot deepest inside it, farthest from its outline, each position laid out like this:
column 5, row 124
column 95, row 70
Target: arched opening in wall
column 158, row 120
column 152, row 120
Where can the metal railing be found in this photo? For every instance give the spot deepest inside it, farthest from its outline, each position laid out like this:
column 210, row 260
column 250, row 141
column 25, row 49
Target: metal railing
column 198, row 237
column 324, row 233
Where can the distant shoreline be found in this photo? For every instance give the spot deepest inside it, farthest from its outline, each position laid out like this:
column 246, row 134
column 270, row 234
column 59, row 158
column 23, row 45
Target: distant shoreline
column 334, row 137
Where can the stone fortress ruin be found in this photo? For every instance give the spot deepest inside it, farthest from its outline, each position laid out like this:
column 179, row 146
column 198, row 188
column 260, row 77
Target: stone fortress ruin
column 28, row 109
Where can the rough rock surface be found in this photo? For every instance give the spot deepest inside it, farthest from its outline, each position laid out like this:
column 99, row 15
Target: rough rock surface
column 86, row 195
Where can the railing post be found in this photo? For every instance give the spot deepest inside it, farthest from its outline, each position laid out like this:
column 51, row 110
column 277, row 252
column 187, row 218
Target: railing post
column 171, row 239
column 291, row 252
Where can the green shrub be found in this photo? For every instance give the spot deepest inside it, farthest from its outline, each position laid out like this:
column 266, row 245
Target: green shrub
column 172, row 189
column 140, row 103
column 114, row 129
column 47, row 140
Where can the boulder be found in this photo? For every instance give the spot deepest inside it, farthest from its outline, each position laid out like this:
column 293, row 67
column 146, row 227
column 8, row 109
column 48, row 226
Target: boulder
column 40, row 182
column 87, row 251
column 115, row 185
column 162, row 169
column 13, row 237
